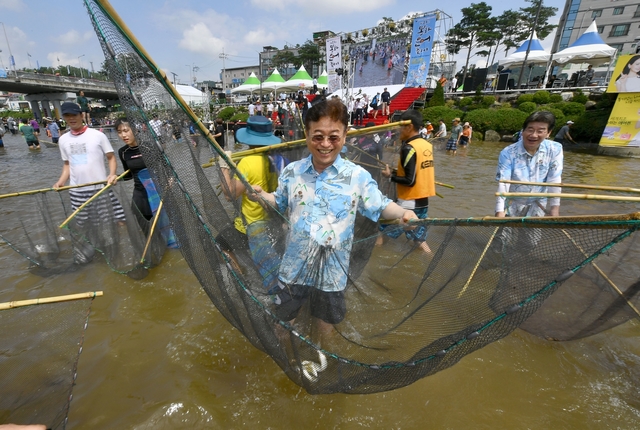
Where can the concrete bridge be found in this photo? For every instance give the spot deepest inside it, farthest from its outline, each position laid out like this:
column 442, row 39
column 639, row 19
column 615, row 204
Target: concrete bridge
column 44, row 90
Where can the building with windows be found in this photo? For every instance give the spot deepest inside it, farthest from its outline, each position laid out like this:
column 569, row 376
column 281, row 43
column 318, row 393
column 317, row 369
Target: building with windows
column 618, row 23
column 234, row 77
column 267, row 65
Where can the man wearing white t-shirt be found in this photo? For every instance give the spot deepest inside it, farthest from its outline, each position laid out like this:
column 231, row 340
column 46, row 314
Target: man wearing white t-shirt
column 83, row 150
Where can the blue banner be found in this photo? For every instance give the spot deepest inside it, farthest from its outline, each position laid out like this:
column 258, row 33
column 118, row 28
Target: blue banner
column 421, row 47
column 12, row 61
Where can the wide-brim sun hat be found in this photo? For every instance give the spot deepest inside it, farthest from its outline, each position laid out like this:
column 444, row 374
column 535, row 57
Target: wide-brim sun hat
column 258, row 132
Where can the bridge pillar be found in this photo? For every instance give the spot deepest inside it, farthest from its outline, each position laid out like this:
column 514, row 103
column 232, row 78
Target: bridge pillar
column 55, row 98
column 35, row 108
column 56, row 108
column 46, row 107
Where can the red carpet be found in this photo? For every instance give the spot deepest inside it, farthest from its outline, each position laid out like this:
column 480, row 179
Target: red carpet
column 400, row 102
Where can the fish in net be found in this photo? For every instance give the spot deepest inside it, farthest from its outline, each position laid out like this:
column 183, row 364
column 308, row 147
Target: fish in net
column 408, row 313
column 109, row 226
column 41, row 345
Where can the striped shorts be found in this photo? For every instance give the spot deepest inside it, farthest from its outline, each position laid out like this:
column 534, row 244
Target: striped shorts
column 103, row 208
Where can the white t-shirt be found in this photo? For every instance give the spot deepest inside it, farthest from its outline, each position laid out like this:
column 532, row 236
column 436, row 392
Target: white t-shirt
column 86, row 156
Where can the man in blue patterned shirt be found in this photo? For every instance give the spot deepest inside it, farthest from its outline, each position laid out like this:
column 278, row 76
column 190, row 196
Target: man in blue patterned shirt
column 533, row 158
column 323, row 193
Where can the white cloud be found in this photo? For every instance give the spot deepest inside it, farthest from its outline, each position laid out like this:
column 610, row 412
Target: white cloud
column 198, row 38
column 14, row 5
column 71, row 37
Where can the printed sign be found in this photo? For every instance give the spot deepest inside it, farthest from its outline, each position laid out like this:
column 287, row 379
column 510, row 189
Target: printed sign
column 623, row 126
column 626, row 75
column 421, row 47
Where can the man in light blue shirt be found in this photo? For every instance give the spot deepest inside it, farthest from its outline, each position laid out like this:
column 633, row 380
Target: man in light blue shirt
column 533, row 158
column 323, row 194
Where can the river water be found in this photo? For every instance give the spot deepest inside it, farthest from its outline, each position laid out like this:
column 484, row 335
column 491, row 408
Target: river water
column 157, row 354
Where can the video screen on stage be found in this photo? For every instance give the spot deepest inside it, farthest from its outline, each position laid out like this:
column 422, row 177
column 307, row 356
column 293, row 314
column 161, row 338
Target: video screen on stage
column 380, row 61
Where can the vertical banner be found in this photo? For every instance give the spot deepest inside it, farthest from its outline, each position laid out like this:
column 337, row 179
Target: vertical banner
column 334, row 62
column 421, row 46
column 623, row 126
column 625, row 76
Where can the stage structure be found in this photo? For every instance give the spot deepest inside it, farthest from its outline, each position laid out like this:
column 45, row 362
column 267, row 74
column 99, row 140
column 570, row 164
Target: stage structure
column 380, row 55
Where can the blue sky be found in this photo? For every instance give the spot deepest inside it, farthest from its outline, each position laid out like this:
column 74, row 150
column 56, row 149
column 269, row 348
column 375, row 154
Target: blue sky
column 181, row 34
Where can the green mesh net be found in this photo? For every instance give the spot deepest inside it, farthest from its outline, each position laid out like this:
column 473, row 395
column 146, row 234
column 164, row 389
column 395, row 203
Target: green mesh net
column 409, row 313
column 41, row 346
column 109, row 227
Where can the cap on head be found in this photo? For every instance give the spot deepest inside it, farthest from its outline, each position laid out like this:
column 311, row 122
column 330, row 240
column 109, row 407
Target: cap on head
column 569, row 122
column 258, row 132
column 70, row 108
column 456, row 120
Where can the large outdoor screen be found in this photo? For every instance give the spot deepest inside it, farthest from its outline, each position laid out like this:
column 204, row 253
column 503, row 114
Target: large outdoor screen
column 380, row 61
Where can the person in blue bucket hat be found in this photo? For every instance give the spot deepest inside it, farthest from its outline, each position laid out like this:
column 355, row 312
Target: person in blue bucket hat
column 251, row 227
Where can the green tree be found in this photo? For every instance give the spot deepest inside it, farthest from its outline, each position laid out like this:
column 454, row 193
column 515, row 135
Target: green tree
column 468, row 33
column 507, row 26
column 309, row 55
column 437, row 99
column 528, row 18
column 282, row 60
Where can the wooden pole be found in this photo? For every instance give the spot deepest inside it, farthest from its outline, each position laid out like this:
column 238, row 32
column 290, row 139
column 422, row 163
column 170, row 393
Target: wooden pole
column 350, row 133
column 572, row 196
column 44, row 190
column 588, row 187
column 93, row 197
column 473, row 272
column 68, row 297
column 153, row 227
column 606, row 278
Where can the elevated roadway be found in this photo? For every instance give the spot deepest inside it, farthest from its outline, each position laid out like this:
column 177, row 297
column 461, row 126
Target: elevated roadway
column 37, row 83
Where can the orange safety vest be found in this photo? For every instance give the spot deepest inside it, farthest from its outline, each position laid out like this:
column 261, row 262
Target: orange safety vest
column 424, row 185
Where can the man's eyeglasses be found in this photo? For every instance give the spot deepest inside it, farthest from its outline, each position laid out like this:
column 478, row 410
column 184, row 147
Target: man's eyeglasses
column 319, row 138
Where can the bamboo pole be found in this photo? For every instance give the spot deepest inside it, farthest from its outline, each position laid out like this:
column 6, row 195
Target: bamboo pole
column 588, row 187
column 473, row 272
column 44, row 190
column 56, row 299
column 606, row 278
column 572, row 196
column 576, row 221
column 240, row 154
column 153, row 227
column 93, row 197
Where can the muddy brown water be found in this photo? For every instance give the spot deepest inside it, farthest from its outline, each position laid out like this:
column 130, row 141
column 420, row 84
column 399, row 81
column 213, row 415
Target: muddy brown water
column 158, row 355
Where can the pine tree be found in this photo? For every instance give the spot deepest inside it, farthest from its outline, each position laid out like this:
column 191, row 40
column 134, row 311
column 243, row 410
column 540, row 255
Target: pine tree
column 438, row 96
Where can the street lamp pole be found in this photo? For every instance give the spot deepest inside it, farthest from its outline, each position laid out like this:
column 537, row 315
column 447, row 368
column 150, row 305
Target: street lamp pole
column 189, row 66
column 12, row 61
column 79, row 62
column 224, row 57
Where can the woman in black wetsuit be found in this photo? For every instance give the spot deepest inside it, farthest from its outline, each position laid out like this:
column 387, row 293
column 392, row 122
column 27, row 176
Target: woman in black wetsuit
column 131, row 159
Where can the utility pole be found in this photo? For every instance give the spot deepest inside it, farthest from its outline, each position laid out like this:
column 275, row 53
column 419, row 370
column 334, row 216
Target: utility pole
column 195, row 69
column 224, row 57
column 174, row 78
column 80, row 63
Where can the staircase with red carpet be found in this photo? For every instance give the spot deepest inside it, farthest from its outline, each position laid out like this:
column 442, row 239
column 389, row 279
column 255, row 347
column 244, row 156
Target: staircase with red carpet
column 400, row 102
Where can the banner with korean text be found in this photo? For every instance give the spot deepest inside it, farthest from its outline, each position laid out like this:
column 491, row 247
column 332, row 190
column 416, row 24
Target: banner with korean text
column 334, row 62
column 421, row 47
column 623, row 126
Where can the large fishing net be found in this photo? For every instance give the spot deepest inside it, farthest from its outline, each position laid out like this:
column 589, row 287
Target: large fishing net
column 41, row 346
column 410, row 311
column 108, row 228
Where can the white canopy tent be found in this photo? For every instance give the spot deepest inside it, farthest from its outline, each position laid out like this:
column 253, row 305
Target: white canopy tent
column 299, row 81
column 588, row 48
column 191, row 95
column 249, row 86
column 537, row 54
